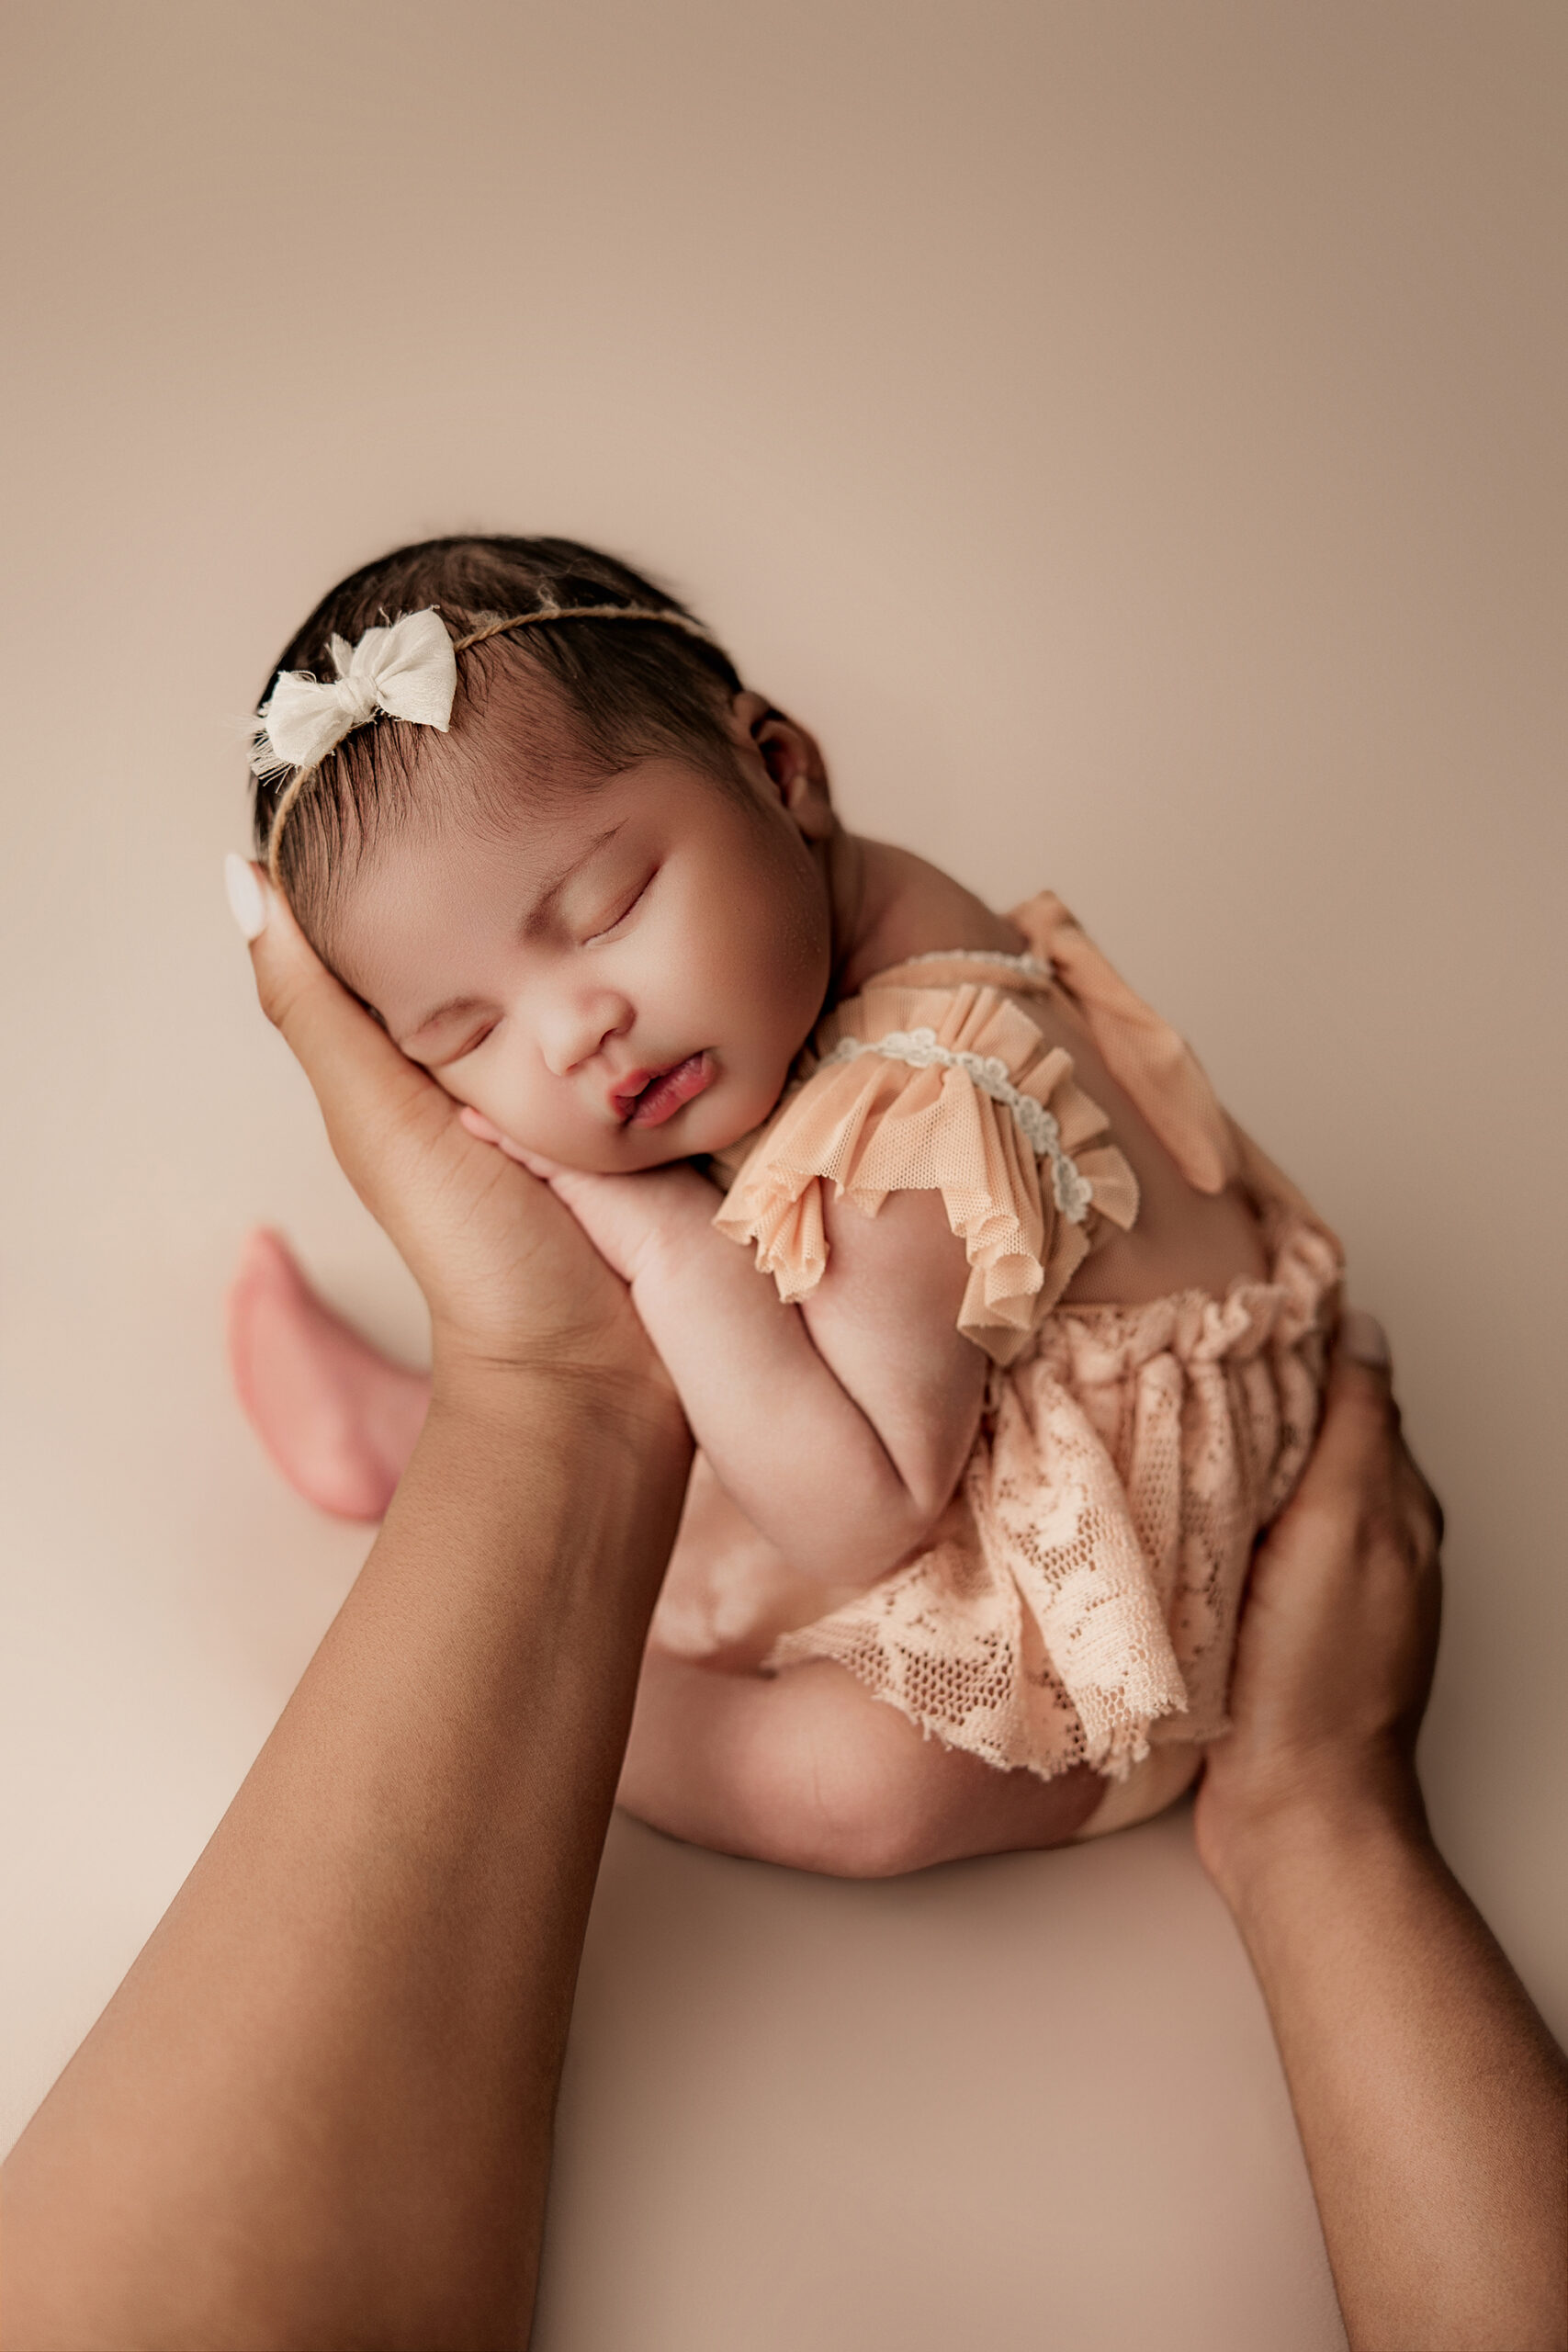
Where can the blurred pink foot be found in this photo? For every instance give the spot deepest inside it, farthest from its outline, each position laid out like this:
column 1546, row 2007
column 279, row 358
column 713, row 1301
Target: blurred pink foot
column 339, row 1418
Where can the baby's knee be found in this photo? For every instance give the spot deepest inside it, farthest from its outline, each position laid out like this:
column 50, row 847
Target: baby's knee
column 847, row 1808
column 805, row 1770
column 863, row 1839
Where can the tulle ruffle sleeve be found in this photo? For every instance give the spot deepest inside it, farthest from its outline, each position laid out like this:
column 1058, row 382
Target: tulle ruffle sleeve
column 948, row 1090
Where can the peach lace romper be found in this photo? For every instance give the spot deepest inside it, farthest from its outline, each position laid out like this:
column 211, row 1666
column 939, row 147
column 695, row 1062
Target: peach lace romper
column 1078, row 1602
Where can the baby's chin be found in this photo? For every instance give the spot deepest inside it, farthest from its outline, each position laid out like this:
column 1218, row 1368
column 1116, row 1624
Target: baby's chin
column 682, row 1138
column 698, row 1134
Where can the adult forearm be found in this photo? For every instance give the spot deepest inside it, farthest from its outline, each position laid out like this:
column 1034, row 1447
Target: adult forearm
column 382, row 1940
column 1432, row 2105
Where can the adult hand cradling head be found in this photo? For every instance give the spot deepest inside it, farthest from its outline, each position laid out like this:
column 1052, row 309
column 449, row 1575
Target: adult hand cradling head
column 511, row 1280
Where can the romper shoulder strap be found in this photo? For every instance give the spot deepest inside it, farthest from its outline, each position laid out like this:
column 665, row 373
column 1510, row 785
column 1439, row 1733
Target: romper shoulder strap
column 1143, row 1052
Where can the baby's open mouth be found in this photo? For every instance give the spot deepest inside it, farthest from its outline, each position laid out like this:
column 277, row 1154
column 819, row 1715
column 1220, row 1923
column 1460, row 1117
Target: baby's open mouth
column 648, row 1101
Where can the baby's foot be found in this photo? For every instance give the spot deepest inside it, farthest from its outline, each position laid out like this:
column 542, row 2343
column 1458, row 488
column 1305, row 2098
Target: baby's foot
column 339, row 1418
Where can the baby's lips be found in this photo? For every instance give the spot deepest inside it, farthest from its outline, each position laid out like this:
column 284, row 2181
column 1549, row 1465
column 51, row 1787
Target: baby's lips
column 672, row 1090
column 624, row 1094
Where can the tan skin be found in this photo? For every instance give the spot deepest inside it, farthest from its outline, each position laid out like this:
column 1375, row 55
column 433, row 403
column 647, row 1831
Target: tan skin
column 1432, row 2102
column 318, row 2111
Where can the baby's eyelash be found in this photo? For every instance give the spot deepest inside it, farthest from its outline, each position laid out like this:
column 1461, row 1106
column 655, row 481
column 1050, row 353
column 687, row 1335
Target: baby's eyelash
column 615, row 922
column 470, row 1045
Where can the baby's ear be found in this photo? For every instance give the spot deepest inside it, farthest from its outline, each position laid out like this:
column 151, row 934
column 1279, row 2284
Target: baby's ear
column 793, row 764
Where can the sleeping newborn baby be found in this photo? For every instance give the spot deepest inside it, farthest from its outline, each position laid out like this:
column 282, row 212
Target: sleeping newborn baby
column 999, row 1340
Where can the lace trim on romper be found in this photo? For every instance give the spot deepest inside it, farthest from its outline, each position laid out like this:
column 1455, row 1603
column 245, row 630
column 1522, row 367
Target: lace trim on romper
column 1077, row 1602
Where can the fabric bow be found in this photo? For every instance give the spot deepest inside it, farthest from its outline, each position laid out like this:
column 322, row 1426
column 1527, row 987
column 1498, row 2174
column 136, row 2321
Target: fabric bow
column 409, row 670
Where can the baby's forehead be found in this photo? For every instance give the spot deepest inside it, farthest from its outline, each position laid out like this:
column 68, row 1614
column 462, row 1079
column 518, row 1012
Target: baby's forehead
column 514, row 746
column 490, row 842
column 497, row 855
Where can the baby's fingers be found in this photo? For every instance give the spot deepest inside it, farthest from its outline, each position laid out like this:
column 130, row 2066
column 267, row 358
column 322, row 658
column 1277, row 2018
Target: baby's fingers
column 487, row 1132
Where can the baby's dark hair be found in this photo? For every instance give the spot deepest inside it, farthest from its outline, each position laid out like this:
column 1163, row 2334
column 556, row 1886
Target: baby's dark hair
column 620, row 690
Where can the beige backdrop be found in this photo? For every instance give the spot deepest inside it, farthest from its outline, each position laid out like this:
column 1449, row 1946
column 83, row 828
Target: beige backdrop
column 1132, row 436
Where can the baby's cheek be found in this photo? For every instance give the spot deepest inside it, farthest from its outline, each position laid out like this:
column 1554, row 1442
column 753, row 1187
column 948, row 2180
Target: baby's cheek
column 750, row 1097
column 494, row 1107
column 500, row 1115
column 487, row 1103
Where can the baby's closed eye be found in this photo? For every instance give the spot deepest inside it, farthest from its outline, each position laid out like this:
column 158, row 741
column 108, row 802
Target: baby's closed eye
column 443, row 1052
column 620, row 906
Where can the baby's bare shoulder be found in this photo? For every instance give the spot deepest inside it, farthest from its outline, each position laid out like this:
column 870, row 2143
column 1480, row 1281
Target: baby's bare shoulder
column 910, row 908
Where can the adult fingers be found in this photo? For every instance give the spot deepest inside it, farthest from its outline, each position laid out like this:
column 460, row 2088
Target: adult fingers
column 363, row 1083
column 506, row 1271
column 1360, row 1419
column 1369, row 1429
column 1339, row 1625
column 1348, row 1576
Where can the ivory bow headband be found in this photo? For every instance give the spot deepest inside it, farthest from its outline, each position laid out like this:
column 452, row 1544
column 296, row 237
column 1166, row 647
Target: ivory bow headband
column 408, row 671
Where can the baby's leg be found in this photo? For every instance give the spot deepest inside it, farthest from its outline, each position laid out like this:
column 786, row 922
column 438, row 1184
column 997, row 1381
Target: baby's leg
column 806, row 1768
column 339, row 1418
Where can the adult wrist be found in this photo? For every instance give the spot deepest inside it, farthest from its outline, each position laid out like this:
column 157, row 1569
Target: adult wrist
column 576, row 1393
column 1325, row 1812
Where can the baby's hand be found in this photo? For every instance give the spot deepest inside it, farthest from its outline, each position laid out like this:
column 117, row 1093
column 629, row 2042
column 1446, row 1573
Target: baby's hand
column 625, row 1218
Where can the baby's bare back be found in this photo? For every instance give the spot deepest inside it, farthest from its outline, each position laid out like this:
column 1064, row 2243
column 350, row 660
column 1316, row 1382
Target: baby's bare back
column 1183, row 1239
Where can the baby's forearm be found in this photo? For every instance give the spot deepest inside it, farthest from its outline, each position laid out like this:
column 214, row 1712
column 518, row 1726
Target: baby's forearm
column 785, row 1439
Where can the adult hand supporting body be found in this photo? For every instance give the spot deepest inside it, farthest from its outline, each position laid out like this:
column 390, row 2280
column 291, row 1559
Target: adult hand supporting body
column 319, row 2108
column 1432, row 2102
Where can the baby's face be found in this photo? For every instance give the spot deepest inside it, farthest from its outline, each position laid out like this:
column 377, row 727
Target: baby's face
column 623, row 979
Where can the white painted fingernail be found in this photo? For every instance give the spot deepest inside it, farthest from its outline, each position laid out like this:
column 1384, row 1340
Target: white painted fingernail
column 1364, row 1340
column 247, row 900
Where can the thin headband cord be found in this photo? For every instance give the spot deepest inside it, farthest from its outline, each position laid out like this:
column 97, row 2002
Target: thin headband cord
column 401, row 671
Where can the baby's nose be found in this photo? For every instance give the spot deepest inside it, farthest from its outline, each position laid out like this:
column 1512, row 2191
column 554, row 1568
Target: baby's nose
column 574, row 1033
